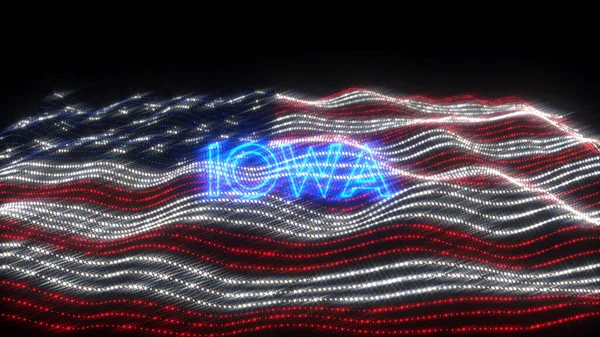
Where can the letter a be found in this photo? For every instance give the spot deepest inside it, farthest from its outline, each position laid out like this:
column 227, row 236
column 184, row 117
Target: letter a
column 367, row 166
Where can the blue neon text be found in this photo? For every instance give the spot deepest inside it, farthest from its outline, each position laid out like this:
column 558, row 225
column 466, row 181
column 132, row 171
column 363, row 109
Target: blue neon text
column 252, row 170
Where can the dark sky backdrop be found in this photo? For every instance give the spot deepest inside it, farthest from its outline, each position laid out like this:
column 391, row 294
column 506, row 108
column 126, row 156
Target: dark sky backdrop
column 564, row 76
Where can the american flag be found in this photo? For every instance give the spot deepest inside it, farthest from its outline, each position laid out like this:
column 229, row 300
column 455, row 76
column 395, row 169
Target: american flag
column 491, row 224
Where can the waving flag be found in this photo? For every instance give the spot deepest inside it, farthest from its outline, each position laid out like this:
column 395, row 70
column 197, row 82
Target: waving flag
column 357, row 213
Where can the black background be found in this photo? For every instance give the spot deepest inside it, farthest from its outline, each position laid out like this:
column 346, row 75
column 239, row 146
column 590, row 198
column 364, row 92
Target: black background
column 557, row 73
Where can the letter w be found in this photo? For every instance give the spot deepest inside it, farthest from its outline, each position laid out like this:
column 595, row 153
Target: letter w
column 311, row 167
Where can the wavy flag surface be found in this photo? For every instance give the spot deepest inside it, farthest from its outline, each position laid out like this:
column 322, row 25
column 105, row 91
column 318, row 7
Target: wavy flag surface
column 358, row 214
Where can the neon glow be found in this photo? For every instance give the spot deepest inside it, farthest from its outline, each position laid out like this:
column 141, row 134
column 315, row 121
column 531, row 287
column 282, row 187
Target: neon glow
column 357, row 213
column 364, row 176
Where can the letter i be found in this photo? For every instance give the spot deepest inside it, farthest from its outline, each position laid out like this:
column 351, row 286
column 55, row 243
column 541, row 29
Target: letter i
column 214, row 164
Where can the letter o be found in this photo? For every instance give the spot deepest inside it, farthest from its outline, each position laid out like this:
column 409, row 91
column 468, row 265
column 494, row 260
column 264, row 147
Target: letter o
column 242, row 152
